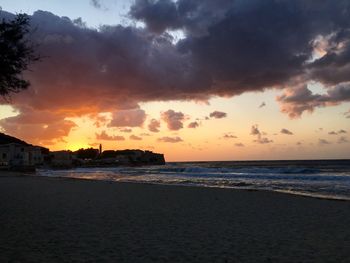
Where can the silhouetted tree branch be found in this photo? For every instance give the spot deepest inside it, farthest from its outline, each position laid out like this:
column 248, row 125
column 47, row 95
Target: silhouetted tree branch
column 16, row 53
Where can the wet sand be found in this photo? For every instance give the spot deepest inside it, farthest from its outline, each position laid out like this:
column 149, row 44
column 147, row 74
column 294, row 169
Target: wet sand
column 67, row 220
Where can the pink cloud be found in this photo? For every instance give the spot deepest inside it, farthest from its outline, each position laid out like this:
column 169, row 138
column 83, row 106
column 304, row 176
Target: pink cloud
column 128, row 118
column 174, row 120
column 154, row 125
column 193, row 125
column 297, row 100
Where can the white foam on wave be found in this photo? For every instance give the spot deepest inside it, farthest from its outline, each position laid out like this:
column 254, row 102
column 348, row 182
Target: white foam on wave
column 306, row 181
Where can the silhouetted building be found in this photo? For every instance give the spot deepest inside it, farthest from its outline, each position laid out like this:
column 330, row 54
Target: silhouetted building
column 131, row 157
column 15, row 154
column 61, row 158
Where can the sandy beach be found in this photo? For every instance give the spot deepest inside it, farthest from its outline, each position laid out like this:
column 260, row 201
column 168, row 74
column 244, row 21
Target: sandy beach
column 67, row 220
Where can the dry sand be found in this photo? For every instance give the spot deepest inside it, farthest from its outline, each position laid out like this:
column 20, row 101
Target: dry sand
column 67, row 220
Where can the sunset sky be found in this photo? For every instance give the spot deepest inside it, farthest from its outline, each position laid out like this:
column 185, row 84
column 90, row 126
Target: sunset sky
column 195, row 80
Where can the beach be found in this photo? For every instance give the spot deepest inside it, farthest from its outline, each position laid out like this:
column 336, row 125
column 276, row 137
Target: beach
column 69, row 220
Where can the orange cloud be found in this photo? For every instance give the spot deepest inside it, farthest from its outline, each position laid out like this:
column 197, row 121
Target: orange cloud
column 38, row 127
column 170, row 139
column 104, row 136
column 135, row 138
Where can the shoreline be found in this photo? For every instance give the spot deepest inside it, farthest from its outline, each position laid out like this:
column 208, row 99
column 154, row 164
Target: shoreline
column 299, row 194
column 305, row 195
column 284, row 192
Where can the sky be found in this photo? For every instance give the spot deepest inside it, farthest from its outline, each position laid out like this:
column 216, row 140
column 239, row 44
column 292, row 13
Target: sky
column 195, row 80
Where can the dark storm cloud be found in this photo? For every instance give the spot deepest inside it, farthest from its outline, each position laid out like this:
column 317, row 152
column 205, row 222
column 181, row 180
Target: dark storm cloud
column 229, row 47
column 249, row 45
column 245, row 45
column 158, row 15
column 85, row 71
column 115, row 67
column 192, row 16
column 334, row 66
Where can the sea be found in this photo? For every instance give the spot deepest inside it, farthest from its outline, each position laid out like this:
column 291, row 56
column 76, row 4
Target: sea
column 328, row 179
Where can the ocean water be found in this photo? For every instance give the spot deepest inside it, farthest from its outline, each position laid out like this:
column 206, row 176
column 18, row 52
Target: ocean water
column 316, row 178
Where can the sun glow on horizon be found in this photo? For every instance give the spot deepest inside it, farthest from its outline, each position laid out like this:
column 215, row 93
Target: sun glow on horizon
column 76, row 146
column 227, row 138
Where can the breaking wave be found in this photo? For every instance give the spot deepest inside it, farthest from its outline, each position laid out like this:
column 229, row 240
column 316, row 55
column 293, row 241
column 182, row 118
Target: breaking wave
column 327, row 179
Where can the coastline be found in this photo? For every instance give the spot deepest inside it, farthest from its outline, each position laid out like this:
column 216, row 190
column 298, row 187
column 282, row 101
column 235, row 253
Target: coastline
column 283, row 192
column 64, row 219
column 304, row 195
column 240, row 187
column 320, row 197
